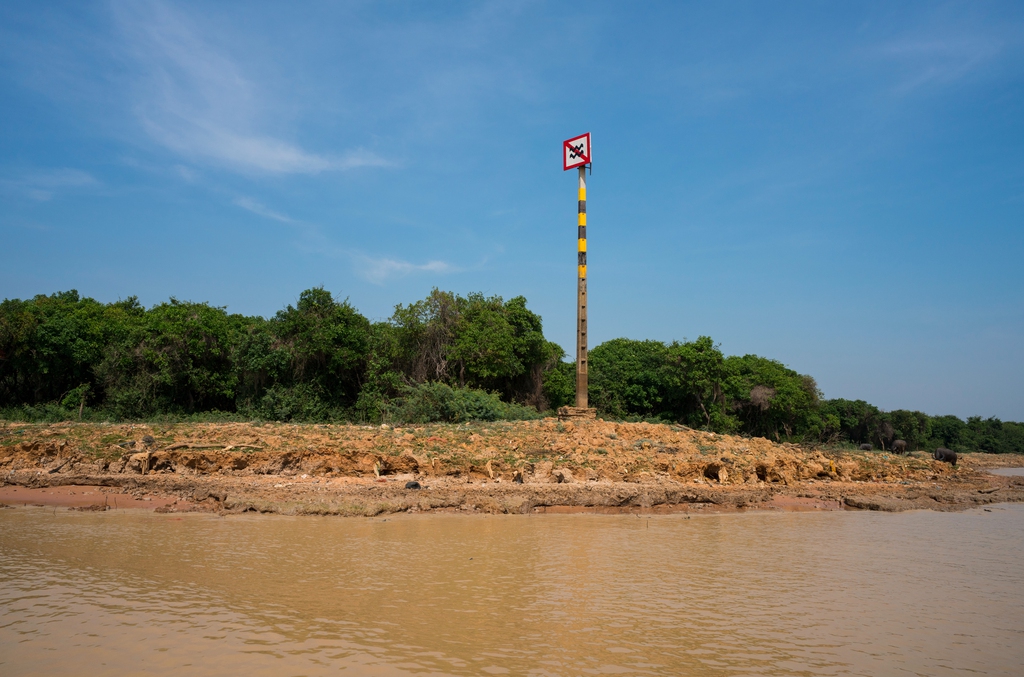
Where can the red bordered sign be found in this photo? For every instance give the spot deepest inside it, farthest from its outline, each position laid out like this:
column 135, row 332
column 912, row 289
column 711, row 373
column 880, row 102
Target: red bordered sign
column 576, row 152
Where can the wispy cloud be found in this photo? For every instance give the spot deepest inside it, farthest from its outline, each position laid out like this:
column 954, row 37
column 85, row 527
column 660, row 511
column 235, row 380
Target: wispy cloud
column 360, row 157
column 42, row 186
column 257, row 208
column 379, row 270
column 374, row 269
column 939, row 61
column 196, row 101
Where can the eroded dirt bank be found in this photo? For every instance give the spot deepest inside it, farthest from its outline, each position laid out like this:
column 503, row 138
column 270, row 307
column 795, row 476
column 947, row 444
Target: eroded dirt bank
column 509, row 467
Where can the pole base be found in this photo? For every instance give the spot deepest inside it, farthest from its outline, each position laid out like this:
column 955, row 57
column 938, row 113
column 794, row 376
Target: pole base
column 566, row 413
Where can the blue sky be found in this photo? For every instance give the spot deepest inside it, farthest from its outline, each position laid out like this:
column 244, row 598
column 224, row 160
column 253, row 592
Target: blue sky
column 839, row 186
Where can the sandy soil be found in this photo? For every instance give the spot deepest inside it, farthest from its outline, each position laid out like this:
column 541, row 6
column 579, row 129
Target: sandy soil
column 508, row 467
column 88, row 498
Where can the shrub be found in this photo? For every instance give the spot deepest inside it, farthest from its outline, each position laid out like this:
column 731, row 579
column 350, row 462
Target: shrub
column 438, row 402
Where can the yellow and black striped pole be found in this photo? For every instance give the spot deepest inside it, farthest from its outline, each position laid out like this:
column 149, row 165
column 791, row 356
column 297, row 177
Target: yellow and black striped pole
column 581, row 296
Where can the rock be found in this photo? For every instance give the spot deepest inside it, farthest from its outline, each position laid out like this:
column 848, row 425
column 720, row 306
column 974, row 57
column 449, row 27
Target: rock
column 139, row 462
column 60, row 464
column 875, row 503
column 812, row 470
column 517, row 477
column 563, row 476
column 542, row 471
column 148, row 440
column 568, row 413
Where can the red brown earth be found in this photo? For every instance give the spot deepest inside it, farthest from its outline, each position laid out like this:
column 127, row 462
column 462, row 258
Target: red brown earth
column 503, row 467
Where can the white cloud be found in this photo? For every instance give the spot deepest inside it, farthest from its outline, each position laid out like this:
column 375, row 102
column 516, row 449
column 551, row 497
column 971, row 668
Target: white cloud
column 185, row 173
column 939, row 61
column 360, row 158
column 257, row 208
column 42, row 186
column 379, row 270
column 195, row 101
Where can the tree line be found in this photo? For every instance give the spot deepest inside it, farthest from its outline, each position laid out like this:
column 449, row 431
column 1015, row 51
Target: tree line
column 444, row 358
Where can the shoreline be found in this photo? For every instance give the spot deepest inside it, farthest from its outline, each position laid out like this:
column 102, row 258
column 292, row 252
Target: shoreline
column 533, row 467
column 369, row 498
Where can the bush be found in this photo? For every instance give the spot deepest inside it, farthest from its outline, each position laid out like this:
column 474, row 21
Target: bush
column 65, row 357
column 438, row 402
column 42, row 413
column 630, row 377
column 560, row 385
column 302, row 403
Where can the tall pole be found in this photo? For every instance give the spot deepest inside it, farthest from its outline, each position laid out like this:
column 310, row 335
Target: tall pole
column 581, row 297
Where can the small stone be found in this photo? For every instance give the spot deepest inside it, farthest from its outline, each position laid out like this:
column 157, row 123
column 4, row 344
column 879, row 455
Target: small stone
column 140, row 462
column 542, row 471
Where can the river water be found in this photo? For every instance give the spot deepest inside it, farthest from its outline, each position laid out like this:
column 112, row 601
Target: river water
column 1007, row 472
column 837, row 593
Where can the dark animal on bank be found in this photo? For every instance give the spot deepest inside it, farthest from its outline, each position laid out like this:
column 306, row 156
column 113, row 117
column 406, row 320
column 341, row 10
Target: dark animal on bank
column 412, row 485
column 866, row 447
column 943, row 454
column 899, row 447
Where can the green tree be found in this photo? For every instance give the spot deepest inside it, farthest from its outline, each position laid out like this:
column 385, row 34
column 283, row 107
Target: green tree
column 631, row 378
column 261, row 362
column 560, row 384
column 51, row 345
column 698, row 374
column 994, row 436
column 384, row 380
column 497, row 346
column 949, row 432
column 177, row 360
column 474, row 341
column 447, row 357
column 327, row 343
column 913, row 427
column 859, row 422
column 772, row 400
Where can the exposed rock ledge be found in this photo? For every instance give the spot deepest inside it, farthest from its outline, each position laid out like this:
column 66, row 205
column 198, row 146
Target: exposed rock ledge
column 523, row 467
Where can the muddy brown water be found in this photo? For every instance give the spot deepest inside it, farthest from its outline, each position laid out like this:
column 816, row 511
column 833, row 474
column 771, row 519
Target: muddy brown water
column 1007, row 472
column 836, row 593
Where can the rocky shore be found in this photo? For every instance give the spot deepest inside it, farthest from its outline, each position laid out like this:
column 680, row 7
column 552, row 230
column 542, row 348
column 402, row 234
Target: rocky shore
column 501, row 467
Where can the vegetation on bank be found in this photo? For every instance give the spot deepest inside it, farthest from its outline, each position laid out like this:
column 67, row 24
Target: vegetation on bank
column 445, row 358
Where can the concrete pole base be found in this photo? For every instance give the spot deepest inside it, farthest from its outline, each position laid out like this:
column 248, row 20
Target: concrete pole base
column 567, row 413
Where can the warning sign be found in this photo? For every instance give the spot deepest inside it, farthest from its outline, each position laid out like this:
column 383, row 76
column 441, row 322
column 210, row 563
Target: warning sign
column 576, row 151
